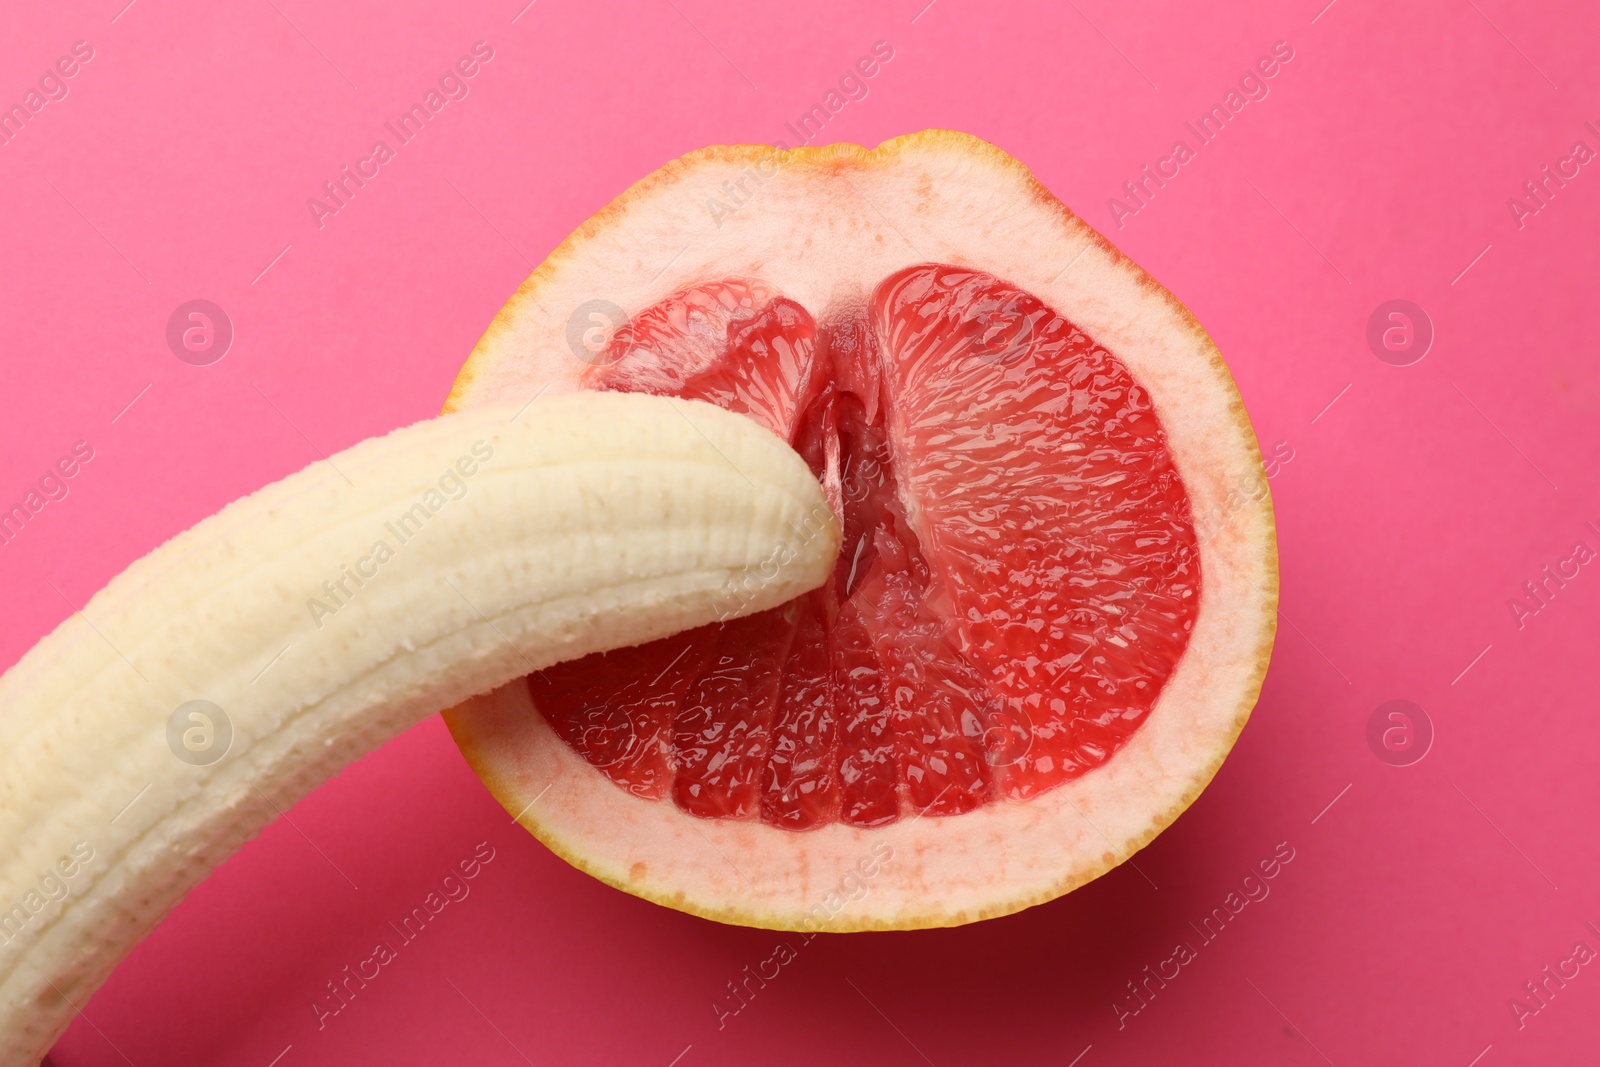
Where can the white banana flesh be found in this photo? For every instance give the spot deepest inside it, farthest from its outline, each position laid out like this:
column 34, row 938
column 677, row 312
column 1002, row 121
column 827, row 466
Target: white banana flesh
column 332, row 610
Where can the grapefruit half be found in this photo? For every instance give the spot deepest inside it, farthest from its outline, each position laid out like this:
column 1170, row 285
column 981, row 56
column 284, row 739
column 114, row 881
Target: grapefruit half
column 1055, row 600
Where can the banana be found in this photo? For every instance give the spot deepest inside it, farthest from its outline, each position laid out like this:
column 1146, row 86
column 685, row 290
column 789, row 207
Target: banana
column 222, row 677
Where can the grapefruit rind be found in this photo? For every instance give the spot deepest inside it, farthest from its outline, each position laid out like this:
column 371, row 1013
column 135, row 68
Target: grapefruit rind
column 822, row 225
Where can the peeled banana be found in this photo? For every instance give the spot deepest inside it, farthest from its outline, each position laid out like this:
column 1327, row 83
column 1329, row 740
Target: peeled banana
column 226, row 674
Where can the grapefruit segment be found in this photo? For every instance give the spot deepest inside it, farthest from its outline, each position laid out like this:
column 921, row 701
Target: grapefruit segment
column 1054, row 599
column 1039, row 477
column 800, row 784
column 729, row 343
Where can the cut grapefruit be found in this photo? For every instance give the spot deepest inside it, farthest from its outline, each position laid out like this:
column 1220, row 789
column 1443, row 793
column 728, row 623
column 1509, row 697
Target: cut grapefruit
column 1055, row 599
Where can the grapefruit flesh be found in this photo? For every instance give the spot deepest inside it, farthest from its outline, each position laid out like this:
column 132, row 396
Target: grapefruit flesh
column 1055, row 600
column 1018, row 578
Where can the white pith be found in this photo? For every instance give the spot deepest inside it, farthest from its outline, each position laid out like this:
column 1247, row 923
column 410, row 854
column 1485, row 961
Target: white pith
column 597, row 521
column 825, row 226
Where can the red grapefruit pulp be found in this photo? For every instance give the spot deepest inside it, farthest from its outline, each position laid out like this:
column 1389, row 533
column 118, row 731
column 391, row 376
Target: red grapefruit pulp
column 1055, row 599
column 1018, row 577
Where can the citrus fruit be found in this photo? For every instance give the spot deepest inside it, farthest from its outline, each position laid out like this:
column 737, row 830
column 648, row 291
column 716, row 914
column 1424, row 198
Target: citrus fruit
column 1055, row 597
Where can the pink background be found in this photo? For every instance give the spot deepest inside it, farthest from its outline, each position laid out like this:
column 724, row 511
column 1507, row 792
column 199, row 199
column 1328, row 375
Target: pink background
column 1378, row 167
